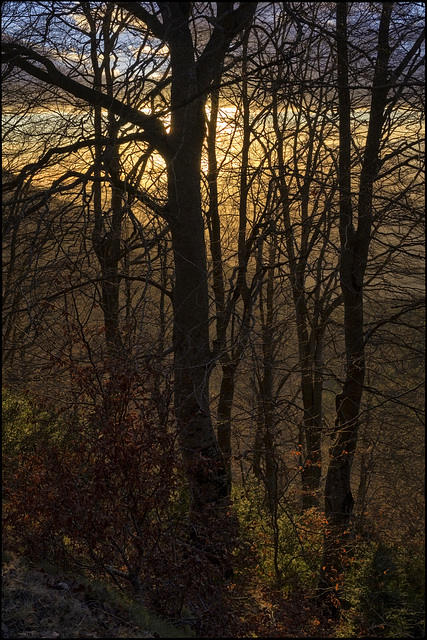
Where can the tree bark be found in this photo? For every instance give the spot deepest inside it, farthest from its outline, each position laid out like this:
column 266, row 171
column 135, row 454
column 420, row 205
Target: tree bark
column 203, row 459
column 310, row 344
column 106, row 244
column 192, row 356
column 339, row 500
column 181, row 148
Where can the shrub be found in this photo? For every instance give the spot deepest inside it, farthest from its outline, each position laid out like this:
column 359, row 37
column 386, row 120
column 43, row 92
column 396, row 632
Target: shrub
column 26, row 424
column 285, row 547
column 101, row 501
column 384, row 590
column 111, row 499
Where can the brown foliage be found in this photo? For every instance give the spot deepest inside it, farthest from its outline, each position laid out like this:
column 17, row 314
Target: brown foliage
column 101, row 500
column 111, row 499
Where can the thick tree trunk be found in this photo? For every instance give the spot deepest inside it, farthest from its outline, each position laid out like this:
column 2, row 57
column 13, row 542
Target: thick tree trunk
column 192, row 356
column 354, row 257
column 193, row 360
column 191, row 81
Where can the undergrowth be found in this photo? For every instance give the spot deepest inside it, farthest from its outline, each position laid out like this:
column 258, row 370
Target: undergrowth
column 104, row 496
column 44, row 602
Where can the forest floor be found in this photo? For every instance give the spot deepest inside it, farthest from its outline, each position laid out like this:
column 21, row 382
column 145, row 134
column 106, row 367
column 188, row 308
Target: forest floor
column 44, row 603
column 41, row 603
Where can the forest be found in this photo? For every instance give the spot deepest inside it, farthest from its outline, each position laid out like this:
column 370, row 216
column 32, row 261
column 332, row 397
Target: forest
column 214, row 310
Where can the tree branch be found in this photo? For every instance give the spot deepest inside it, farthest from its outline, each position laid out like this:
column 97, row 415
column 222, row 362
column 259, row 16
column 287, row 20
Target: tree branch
column 19, row 56
column 138, row 11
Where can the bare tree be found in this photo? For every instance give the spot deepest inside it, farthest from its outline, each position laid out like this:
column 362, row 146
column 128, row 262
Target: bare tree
column 180, row 147
column 356, row 230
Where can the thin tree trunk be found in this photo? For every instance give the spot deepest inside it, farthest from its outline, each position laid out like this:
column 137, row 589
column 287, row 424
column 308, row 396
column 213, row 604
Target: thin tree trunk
column 310, row 356
column 106, row 243
column 229, row 359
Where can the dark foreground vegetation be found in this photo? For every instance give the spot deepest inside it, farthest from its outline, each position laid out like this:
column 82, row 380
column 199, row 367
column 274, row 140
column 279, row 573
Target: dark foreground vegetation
column 213, row 319
column 74, row 498
column 44, row 602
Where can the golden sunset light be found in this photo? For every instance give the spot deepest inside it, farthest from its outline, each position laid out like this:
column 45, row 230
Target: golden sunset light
column 213, row 319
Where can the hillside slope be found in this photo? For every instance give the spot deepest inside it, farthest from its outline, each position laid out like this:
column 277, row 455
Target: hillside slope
column 39, row 603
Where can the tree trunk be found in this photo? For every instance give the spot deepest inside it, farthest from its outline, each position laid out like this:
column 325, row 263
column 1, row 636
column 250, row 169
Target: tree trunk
column 181, row 148
column 202, row 456
column 106, row 244
column 192, row 356
column 354, row 257
column 229, row 359
column 310, row 351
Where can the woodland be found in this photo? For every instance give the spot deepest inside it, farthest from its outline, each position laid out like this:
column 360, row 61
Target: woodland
column 214, row 309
